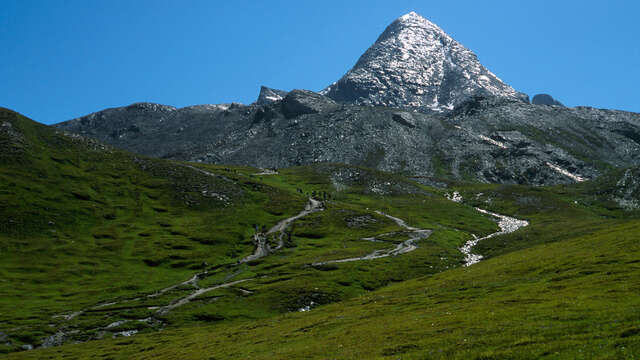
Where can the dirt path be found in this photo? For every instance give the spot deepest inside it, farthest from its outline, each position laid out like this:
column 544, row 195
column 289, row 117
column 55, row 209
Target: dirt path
column 266, row 172
column 185, row 300
column 208, row 173
column 261, row 240
column 193, row 281
column 404, row 247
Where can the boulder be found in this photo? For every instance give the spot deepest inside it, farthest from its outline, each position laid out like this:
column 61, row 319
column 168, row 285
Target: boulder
column 269, row 95
column 300, row 102
column 545, row 99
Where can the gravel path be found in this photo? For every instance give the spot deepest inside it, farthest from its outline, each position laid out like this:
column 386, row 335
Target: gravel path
column 404, row 247
column 261, row 239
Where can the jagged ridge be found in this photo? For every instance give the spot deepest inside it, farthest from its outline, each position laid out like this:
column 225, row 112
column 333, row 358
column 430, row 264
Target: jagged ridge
column 486, row 139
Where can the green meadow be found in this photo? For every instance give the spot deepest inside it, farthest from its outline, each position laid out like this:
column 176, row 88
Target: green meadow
column 97, row 246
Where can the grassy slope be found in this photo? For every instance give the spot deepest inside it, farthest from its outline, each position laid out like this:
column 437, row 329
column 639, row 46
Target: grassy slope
column 578, row 298
column 83, row 224
column 556, row 213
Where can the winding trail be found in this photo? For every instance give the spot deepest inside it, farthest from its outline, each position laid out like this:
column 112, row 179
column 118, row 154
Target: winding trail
column 185, row 300
column 205, row 172
column 193, row 282
column 404, row 247
column 261, row 239
column 262, row 249
column 266, row 172
column 507, row 225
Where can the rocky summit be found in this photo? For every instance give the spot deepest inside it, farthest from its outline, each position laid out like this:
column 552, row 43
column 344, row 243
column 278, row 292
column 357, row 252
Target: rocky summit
column 414, row 63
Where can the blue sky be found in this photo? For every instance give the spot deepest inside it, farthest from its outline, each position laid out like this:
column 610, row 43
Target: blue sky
column 63, row 59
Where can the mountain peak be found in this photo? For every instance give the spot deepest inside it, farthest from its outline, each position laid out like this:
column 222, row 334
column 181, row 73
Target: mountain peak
column 411, row 15
column 413, row 24
column 415, row 19
column 269, row 95
column 415, row 64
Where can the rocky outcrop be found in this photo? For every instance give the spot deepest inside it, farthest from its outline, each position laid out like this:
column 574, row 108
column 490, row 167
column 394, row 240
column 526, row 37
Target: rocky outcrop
column 268, row 95
column 545, row 99
column 300, row 102
column 627, row 190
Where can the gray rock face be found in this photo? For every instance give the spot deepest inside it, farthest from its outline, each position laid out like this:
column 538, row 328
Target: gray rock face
column 416, row 64
column 370, row 181
column 545, row 99
column 301, row 102
column 486, row 139
column 404, row 118
column 627, row 190
column 268, row 95
column 128, row 121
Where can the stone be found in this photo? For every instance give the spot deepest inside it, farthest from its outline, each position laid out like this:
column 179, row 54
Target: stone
column 545, row 99
column 301, row 102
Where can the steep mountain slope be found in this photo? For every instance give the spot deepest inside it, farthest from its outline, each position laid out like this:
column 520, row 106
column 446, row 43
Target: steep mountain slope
column 484, row 139
column 416, row 64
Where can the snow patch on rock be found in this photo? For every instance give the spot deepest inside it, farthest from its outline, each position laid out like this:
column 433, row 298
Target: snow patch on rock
column 565, row 172
column 493, row 142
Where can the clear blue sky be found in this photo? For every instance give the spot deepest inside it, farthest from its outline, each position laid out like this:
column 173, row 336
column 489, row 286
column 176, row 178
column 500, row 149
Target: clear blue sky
column 63, row 59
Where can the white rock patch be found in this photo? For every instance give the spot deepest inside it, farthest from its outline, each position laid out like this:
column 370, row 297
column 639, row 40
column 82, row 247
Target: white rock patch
column 507, row 225
column 455, row 197
column 566, row 173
